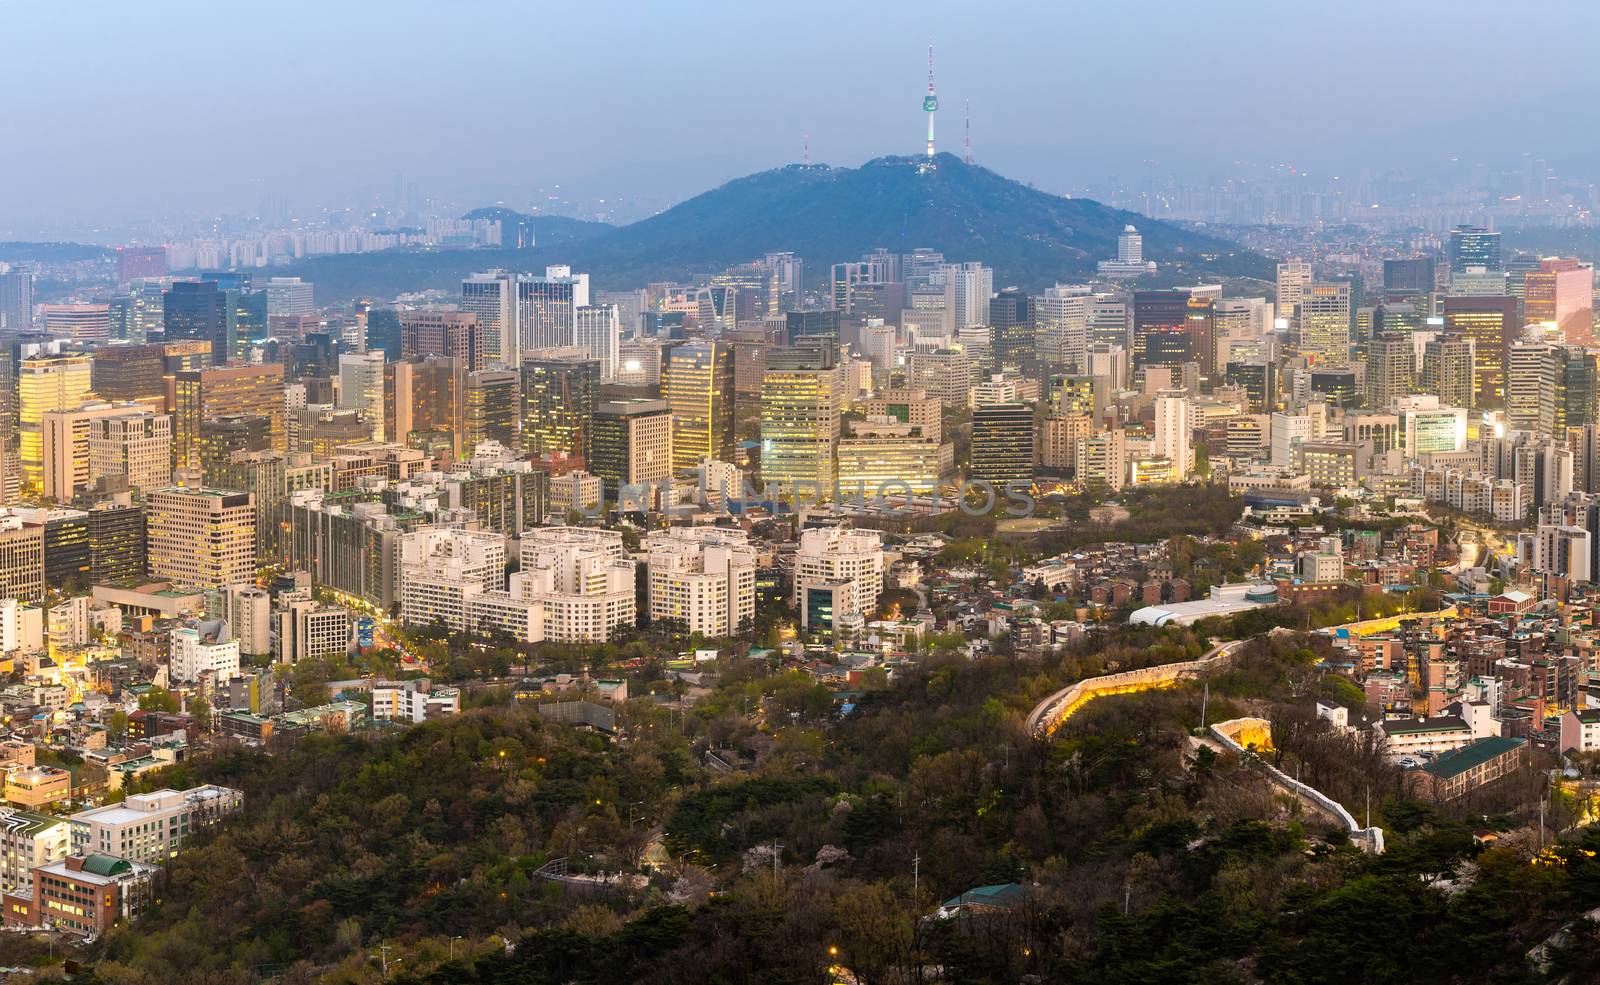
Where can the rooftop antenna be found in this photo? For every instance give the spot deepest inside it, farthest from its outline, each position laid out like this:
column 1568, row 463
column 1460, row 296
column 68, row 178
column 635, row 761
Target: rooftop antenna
column 930, row 102
column 968, row 158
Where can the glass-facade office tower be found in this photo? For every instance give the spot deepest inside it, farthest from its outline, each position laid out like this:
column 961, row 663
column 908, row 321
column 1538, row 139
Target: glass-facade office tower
column 699, row 388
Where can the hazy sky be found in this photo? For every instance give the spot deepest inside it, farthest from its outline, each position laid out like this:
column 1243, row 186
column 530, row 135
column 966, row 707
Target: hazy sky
column 116, row 111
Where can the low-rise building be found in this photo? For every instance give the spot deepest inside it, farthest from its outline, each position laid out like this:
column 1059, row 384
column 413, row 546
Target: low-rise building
column 1455, row 773
column 38, row 786
column 413, row 701
column 151, row 827
column 82, row 895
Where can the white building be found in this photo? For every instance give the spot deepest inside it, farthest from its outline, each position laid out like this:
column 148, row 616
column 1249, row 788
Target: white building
column 703, row 577
column 847, row 564
column 361, row 387
column 598, row 328
column 1174, row 434
column 136, row 446
column 151, row 827
column 581, row 580
column 306, row 629
column 442, row 567
column 204, row 648
column 27, row 840
column 413, row 701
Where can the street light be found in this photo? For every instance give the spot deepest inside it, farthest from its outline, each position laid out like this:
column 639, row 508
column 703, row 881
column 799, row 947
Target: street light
column 453, row 948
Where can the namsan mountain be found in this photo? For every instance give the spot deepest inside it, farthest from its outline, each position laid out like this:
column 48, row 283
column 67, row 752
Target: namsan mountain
column 826, row 215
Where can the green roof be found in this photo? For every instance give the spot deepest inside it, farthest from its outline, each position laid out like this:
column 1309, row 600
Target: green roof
column 1472, row 755
column 1001, row 894
column 106, row 865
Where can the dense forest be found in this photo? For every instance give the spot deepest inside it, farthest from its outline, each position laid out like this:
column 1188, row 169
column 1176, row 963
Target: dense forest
column 824, row 856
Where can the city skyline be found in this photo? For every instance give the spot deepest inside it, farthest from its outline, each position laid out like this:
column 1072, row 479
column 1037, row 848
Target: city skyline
column 338, row 114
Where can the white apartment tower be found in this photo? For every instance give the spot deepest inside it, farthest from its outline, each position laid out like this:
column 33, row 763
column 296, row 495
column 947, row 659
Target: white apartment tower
column 703, row 577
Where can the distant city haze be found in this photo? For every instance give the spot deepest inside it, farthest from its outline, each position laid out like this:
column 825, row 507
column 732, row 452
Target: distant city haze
column 120, row 113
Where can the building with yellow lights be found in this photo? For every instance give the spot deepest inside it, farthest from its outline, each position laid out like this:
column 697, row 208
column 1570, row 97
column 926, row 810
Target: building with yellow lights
column 204, row 538
column 46, row 383
column 699, row 387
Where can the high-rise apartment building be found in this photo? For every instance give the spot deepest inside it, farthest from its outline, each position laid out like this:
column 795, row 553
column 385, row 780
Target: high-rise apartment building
column 1174, row 431
column 200, row 537
column 582, row 580
column 703, row 578
column 699, row 388
column 837, row 572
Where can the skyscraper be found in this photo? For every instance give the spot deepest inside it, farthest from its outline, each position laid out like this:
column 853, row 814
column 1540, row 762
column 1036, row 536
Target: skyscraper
column 492, row 297
column 439, row 332
column 1491, row 324
column 1474, row 246
column 78, row 322
column 1061, row 327
column 1294, row 276
column 968, row 287
column 195, row 395
column 1011, row 319
column 198, row 310
column 800, row 415
column 494, row 403
column 632, row 444
column 1325, row 321
column 1160, row 327
column 1002, row 444
column 46, row 383
column 1561, row 293
column 16, row 299
column 1412, row 275
column 290, row 296
column 1390, row 358
column 547, row 307
column 361, row 388
column 560, row 388
column 1447, row 370
column 597, row 329
column 699, row 387
column 424, row 400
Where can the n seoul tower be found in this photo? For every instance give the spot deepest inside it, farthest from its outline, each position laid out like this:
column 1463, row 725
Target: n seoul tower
column 930, row 102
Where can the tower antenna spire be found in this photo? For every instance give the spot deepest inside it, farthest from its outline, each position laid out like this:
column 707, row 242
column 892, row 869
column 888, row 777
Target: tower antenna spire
column 806, row 154
column 968, row 157
column 930, row 102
